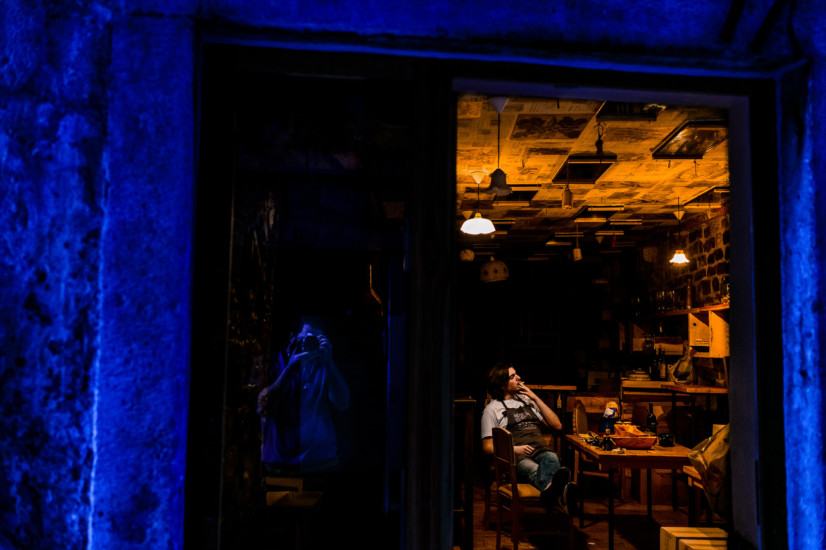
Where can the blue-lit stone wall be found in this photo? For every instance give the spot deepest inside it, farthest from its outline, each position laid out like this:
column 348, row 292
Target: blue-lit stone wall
column 97, row 146
column 802, row 137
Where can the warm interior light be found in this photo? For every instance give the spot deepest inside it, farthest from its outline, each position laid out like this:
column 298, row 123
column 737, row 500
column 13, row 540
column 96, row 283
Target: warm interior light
column 477, row 225
column 679, row 258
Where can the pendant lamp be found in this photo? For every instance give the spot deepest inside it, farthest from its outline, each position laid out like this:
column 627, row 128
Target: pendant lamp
column 498, row 179
column 493, row 270
column 477, row 225
column 567, row 195
column 577, row 250
column 679, row 257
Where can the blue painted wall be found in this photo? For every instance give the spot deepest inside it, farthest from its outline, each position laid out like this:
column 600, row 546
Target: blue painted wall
column 96, row 214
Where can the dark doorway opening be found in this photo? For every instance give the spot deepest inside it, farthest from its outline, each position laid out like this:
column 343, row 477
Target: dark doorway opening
column 301, row 221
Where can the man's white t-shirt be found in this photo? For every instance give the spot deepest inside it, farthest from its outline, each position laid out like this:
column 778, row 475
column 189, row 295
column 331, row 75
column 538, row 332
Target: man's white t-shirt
column 494, row 413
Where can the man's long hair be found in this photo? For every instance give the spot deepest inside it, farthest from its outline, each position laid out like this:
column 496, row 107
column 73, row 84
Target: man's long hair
column 497, row 380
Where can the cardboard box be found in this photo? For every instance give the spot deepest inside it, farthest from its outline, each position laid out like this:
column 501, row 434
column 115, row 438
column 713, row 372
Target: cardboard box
column 671, row 536
column 702, row 544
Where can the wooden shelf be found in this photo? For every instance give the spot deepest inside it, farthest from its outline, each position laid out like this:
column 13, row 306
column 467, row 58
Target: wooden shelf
column 675, row 312
column 707, row 330
column 703, row 390
column 643, row 384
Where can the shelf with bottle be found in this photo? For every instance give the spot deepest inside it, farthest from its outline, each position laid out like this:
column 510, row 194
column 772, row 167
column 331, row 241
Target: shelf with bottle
column 705, row 330
column 676, row 312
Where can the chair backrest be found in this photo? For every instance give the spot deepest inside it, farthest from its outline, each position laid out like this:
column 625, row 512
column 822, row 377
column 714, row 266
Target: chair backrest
column 580, row 419
column 504, row 459
column 503, row 445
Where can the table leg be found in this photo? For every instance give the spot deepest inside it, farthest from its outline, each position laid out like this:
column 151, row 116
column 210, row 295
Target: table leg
column 611, row 509
column 581, row 492
column 649, row 498
column 674, row 490
column 674, row 413
column 693, row 504
column 695, row 429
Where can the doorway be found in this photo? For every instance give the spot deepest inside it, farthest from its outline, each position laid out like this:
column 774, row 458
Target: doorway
column 409, row 262
column 577, row 297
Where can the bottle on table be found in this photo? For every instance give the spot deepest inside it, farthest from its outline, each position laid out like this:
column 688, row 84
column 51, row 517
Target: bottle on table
column 651, row 420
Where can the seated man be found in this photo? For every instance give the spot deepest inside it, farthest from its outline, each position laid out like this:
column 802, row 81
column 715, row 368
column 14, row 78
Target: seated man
column 518, row 409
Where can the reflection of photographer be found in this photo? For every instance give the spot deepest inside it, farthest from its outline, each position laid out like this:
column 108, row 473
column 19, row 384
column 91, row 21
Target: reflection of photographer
column 296, row 409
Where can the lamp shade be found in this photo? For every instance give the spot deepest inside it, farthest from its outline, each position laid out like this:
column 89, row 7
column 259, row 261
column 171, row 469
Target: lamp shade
column 567, row 197
column 477, row 225
column 498, row 184
column 493, row 270
column 577, row 254
column 679, row 257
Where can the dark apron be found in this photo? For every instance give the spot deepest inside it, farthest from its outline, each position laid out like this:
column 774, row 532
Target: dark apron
column 523, row 424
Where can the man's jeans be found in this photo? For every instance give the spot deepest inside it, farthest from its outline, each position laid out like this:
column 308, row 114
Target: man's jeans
column 539, row 469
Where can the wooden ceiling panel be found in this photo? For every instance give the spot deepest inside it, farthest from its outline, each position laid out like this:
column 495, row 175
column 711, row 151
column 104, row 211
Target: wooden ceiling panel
column 536, row 138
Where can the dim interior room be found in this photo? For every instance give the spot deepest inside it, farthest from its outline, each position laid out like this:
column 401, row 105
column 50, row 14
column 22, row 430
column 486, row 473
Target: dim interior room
column 567, row 293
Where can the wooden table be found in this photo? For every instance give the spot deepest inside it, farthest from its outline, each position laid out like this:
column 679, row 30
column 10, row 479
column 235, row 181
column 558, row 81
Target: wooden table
column 666, row 458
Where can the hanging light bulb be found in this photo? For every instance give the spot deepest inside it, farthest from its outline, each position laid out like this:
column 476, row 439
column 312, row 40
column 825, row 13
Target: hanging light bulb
column 498, row 179
column 679, row 256
column 477, row 225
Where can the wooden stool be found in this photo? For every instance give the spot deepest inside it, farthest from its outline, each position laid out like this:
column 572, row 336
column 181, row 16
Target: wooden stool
column 287, row 494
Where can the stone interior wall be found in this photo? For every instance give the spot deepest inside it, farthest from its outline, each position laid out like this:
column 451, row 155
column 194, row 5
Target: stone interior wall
column 704, row 281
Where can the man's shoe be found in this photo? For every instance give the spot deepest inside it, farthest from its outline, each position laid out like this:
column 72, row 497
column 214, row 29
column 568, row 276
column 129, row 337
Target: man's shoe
column 552, row 495
column 570, row 499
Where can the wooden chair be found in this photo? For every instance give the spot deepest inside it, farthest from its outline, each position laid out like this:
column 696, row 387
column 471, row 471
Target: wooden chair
column 516, row 501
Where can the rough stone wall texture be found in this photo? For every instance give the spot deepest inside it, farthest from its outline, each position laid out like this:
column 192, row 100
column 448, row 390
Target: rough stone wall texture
column 53, row 103
column 96, row 175
column 663, row 286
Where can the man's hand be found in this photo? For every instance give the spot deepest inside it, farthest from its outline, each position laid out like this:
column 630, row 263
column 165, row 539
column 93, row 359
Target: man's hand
column 525, row 390
column 523, row 449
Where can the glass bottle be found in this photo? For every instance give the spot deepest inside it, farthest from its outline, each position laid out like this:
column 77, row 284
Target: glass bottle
column 651, row 420
column 663, row 365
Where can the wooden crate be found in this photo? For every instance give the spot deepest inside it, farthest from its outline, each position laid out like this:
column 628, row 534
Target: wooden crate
column 670, row 537
column 702, row 544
